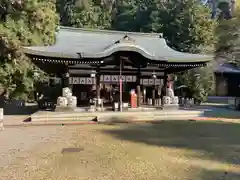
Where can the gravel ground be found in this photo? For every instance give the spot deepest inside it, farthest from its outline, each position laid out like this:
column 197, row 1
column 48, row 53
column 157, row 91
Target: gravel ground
column 168, row 151
column 23, row 148
column 14, row 141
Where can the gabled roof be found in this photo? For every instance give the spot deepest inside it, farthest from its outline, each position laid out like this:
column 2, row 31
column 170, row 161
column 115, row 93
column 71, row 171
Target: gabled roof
column 77, row 43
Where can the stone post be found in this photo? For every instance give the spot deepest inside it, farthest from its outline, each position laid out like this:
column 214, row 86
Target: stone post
column 1, row 120
column 144, row 95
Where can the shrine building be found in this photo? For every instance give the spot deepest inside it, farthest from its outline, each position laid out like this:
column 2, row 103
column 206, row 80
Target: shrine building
column 91, row 63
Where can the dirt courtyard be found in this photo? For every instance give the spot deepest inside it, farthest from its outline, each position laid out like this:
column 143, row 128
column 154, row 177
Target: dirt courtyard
column 171, row 150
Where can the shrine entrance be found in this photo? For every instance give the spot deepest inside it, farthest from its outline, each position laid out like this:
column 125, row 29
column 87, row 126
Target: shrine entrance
column 121, row 61
column 84, row 89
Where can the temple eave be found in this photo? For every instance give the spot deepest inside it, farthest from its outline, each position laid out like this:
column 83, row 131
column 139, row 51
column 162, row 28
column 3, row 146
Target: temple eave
column 56, row 57
column 47, row 54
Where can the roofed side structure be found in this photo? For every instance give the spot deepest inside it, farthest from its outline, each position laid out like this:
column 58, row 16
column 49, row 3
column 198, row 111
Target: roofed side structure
column 226, row 68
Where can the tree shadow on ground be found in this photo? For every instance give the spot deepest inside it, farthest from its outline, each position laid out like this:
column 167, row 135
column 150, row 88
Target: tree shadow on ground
column 218, row 141
column 222, row 113
column 25, row 110
column 210, row 142
column 218, row 175
column 218, row 112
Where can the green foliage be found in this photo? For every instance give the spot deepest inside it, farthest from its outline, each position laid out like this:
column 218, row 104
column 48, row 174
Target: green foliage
column 185, row 24
column 124, row 17
column 187, row 27
column 32, row 24
column 228, row 40
column 199, row 81
column 85, row 13
column 9, row 6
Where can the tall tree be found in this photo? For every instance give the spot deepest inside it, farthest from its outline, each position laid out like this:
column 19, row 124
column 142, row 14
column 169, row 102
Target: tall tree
column 125, row 16
column 84, row 13
column 187, row 27
column 228, row 39
column 33, row 23
column 185, row 24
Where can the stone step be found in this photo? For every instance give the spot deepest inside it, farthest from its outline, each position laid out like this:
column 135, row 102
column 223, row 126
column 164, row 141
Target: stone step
column 144, row 118
column 70, row 118
column 57, row 116
column 42, row 122
column 113, row 116
column 154, row 113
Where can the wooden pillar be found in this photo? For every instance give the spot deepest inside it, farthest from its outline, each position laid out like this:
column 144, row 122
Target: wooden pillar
column 153, row 95
column 65, row 78
column 98, row 75
column 164, row 88
column 120, row 84
column 139, row 87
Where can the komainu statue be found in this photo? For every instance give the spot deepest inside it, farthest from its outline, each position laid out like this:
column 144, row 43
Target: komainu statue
column 170, row 98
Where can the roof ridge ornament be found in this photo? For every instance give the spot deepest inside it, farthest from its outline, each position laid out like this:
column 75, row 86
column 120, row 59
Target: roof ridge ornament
column 125, row 39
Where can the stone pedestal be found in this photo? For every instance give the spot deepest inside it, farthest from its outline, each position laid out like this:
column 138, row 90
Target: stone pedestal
column 66, row 102
column 170, row 106
column 62, row 101
column 65, row 109
column 92, row 108
column 170, row 101
column 174, row 100
column 72, row 101
column 166, row 100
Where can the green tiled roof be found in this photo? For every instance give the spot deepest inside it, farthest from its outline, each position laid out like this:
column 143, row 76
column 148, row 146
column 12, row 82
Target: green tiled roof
column 76, row 43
